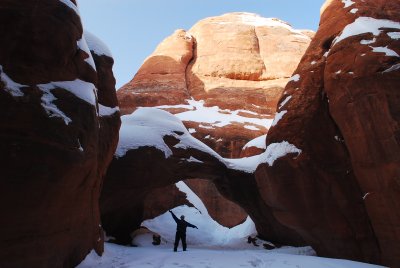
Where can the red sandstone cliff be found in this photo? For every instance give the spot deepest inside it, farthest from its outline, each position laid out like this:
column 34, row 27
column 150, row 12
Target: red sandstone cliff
column 57, row 136
column 341, row 110
column 222, row 78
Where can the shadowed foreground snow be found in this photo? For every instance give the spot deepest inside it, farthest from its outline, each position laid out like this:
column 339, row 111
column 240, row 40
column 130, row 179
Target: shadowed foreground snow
column 210, row 246
column 162, row 256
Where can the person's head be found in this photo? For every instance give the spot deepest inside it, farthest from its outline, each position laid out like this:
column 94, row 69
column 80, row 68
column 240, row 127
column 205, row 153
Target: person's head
column 182, row 217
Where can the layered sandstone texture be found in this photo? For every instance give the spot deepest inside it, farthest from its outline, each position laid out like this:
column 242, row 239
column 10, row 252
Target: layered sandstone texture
column 222, row 78
column 340, row 113
column 59, row 128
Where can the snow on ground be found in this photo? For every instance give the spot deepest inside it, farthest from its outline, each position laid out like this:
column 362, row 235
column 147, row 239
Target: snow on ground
column 162, row 257
column 215, row 116
column 210, row 246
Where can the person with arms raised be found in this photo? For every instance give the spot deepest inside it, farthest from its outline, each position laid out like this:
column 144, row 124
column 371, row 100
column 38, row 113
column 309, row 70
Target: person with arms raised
column 181, row 226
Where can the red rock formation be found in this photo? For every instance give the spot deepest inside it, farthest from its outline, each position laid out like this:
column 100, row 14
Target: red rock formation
column 222, row 210
column 239, row 63
column 165, row 155
column 161, row 79
column 109, row 117
column 341, row 110
column 51, row 156
column 254, row 147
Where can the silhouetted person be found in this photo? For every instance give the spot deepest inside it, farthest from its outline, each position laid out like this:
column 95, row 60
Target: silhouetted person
column 181, row 226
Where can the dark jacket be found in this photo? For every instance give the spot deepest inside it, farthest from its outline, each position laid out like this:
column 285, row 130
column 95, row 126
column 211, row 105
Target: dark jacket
column 181, row 225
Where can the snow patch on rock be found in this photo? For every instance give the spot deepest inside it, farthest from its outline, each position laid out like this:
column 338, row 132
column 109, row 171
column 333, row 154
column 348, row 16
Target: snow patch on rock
column 258, row 142
column 388, row 52
column 82, row 45
column 275, row 151
column 347, row 3
column 71, row 5
column 107, row 111
column 392, row 68
column 354, row 10
column 294, row 78
column 193, row 159
column 283, row 103
column 363, row 25
column 214, row 116
column 96, row 45
column 10, row 85
column 50, row 108
column 394, row 35
column 81, row 89
column 367, row 42
column 148, row 126
column 278, row 117
column 250, row 127
column 84, row 90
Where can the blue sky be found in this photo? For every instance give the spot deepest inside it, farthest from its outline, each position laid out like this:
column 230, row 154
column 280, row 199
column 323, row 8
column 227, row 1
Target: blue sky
column 133, row 28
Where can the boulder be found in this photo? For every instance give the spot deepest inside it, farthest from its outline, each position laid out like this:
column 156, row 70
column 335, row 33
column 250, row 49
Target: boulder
column 51, row 156
column 338, row 189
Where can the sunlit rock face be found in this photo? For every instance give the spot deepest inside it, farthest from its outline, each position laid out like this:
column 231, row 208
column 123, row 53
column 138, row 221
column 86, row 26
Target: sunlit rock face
column 236, row 64
column 59, row 127
column 223, row 79
column 341, row 110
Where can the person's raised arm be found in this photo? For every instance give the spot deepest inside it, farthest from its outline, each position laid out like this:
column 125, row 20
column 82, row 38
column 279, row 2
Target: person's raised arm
column 191, row 225
column 173, row 216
